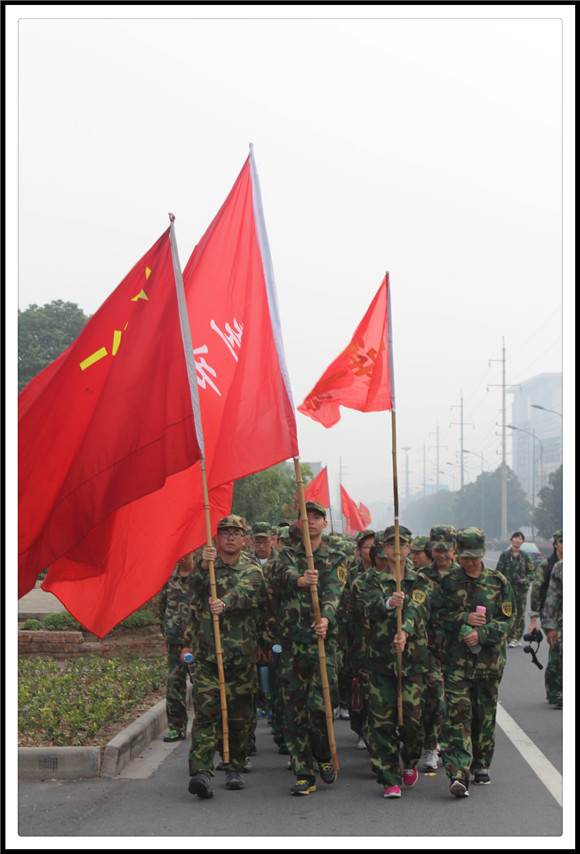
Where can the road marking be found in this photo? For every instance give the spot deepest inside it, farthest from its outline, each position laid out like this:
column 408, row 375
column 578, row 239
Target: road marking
column 542, row 767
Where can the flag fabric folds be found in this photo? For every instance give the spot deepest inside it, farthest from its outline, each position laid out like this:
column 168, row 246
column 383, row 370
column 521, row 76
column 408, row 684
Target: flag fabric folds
column 365, row 515
column 247, row 417
column 354, row 523
column 362, row 376
column 317, row 489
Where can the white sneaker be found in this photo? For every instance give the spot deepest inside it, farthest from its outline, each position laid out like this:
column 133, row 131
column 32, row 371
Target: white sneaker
column 428, row 761
column 361, row 744
column 343, row 713
column 513, row 644
column 336, row 712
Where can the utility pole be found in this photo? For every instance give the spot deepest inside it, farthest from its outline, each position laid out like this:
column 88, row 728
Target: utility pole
column 461, row 424
column 503, row 443
column 437, row 447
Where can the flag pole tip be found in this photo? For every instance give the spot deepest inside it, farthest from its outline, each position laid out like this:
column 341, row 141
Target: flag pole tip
column 171, row 217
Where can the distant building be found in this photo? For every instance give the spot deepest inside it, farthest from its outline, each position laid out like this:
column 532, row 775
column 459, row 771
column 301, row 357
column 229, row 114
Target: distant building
column 537, row 443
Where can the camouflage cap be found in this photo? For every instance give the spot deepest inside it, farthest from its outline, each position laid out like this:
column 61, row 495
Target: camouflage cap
column 316, row 507
column 470, row 542
column 232, row 522
column 261, row 529
column 379, row 545
column 405, row 534
column 557, row 535
column 364, row 535
column 442, row 537
column 419, row 544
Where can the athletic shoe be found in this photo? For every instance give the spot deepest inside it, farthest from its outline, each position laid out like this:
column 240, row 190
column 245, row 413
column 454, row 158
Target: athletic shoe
column 234, row 780
column 481, row 777
column 327, row 772
column 410, row 776
column 361, row 744
column 429, row 760
column 174, row 735
column 247, row 765
column 513, row 644
column 459, row 789
column 283, row 750
column 200, row 785
column 343, row 714
column 304, row 786
column 336, row 712
column 392, row 792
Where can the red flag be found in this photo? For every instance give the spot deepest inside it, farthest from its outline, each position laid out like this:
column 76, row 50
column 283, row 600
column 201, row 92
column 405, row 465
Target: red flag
column 362, row 376
column 365, row 515
column 350, row 512
column 108, row 421
column 246, row 412
column 317, row 489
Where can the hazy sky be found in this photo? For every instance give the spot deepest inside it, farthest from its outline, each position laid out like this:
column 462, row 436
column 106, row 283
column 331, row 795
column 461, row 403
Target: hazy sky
column 431, row 147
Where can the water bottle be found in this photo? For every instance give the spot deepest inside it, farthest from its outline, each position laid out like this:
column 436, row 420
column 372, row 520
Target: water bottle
column 189, row 659
column 276, row 652
column 479, row 609
column 356, row 695
column 264, row 672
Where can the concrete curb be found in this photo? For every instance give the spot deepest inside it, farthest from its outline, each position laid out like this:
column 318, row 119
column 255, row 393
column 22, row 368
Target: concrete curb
column 79, row 763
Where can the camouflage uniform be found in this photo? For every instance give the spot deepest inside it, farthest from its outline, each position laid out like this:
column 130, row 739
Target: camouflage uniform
column 173, row 610
column 376, row 657
column 304, row 716
column 519, row 571
column 242, row 588
column 472, row 679
column 540, row 584
column 552, row 620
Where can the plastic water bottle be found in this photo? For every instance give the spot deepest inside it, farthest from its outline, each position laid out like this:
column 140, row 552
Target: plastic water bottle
column 479, row 609
column 189, row 659
column 356, row 695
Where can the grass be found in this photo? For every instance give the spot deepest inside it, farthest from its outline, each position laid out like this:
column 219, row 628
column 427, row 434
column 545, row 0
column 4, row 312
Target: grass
column 67, row 702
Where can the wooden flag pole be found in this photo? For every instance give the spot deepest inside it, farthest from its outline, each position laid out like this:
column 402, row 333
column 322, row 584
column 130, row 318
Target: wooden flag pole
column 317, row 616
column 216, row 624
column 397, row 566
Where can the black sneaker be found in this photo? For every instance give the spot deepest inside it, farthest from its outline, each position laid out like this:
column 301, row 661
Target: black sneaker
column 174, row 734
column 304, row 786
column 234, row 780
column 481, row 777
column 327, row 772
column 459, row 789
column 200, row 785
column 283, row 750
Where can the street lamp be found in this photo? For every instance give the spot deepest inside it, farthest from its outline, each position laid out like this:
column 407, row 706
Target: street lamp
column 482, row 458
column 533, row 435
column 451, row 473
column 545, row 409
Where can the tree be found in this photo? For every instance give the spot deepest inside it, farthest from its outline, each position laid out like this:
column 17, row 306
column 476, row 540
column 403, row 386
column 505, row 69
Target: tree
column 43, row 333
column 436, row 509
column 268, row 496
column 549, row 513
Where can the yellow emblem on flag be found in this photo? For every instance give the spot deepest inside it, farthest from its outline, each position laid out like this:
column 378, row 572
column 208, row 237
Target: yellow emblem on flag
column 341, row 572
column 419, row 596
column 507, row 608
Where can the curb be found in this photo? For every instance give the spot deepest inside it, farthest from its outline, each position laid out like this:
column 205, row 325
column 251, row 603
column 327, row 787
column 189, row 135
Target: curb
column 80, row 763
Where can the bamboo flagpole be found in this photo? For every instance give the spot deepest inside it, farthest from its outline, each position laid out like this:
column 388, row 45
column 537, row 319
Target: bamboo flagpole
column 194, row 393
column 397, row 567
column 317, row 616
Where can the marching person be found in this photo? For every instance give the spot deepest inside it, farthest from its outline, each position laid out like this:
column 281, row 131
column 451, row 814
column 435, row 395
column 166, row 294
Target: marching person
column 240, row 589
column 518, row 568
column 552, row 624
column 540, row 584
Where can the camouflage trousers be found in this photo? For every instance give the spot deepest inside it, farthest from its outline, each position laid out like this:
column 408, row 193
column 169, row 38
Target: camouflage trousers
column 277, row 706
column 176, row 687
column 304, row 720
column 553, row 677
column 382, row 732
column 519, row 624
column 469, row 717
column 434, row 710
column 206, row 729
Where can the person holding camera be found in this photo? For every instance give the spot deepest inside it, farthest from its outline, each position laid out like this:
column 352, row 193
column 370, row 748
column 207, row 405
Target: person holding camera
column 540, row 584
column 552, row 624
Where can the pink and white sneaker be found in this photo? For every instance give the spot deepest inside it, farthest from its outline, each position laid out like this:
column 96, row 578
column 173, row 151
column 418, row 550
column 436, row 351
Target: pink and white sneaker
column 410, row 776
column 392, row 792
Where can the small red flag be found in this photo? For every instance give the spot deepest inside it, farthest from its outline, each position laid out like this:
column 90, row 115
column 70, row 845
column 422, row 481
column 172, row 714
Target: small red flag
column 362, row 376
column 317, row 489
column 365, row 515
column 354, row 523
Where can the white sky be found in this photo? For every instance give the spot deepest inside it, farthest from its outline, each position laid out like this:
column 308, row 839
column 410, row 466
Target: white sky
column 427, row 141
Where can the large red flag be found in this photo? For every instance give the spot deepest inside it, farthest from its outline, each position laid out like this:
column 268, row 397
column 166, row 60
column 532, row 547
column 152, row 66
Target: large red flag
column 246, row 412
column 350, row 512
column 362, row 376
column 317, row 489
column 365, row 515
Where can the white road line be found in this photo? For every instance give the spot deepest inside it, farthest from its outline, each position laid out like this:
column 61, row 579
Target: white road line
column 542, row 767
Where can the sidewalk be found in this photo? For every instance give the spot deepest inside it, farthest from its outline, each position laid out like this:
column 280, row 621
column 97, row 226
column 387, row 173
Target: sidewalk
column 37, row 603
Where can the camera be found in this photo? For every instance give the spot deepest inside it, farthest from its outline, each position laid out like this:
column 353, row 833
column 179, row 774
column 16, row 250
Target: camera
column 535, row 636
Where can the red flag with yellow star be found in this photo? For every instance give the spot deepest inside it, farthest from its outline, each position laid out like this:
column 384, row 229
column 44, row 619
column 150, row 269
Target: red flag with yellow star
column 362, row 376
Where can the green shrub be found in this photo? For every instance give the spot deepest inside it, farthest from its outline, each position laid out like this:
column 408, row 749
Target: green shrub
column 67, row 702
column 32, row 625
column 142, row 617
column 60, row 622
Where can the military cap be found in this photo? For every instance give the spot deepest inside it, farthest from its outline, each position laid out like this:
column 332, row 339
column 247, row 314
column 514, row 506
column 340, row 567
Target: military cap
column 261, row 529
column 470, row 542
column 557, row 535
column 405, row 534
column 379, row 545
column 419, row 544
column 442, row 537
column 232, row 522
column 364, row 535
column 316, row 507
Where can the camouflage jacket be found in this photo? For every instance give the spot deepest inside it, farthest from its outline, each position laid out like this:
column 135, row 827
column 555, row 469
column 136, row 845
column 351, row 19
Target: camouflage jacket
column 173, row 606
column 432, row 579
column 242, row 588
column 519, row 570
column 354, row 571
column 552, row 613
column 540, row 586
column 374, row 627
column 460, row 595
column 291, row 606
